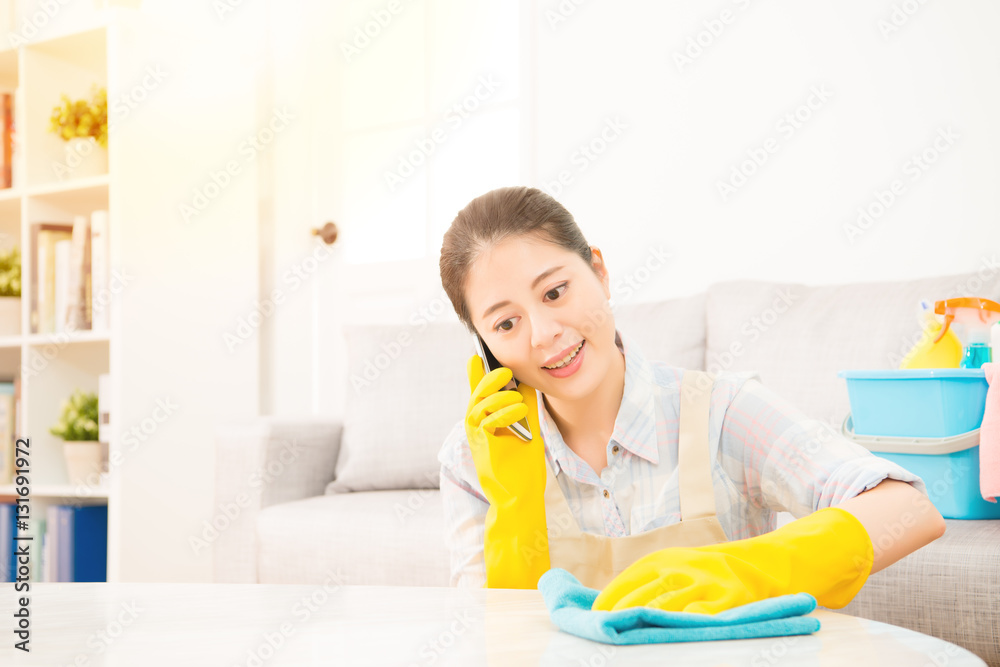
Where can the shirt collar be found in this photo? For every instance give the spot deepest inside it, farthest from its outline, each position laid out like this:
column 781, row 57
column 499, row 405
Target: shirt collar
column 635, row 424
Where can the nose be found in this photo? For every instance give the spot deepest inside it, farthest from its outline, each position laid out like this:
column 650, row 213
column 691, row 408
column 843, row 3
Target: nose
column 544, row 331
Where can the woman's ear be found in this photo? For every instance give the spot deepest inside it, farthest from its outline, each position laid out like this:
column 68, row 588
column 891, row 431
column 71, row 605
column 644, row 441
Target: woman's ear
column 601, row 269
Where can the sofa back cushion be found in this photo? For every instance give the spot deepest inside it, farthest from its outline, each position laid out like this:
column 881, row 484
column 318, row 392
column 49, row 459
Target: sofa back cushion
column 671, row 331
column 408, row 388
column 798, row 337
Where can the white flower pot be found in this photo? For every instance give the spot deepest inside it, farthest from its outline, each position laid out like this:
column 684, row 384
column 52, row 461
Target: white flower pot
column 84, row 461
column 85, row 158
column 10, row 316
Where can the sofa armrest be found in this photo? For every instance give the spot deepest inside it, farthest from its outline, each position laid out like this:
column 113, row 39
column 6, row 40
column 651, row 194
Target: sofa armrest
column 258, row 463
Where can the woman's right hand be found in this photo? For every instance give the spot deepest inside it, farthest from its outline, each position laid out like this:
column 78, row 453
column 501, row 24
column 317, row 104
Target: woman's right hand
column 512, row 475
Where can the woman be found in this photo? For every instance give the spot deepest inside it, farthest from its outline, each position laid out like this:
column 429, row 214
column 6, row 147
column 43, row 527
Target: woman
column 656, row 484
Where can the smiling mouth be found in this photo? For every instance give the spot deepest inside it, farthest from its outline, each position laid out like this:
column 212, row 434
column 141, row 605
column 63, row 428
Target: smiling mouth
column 567, row 359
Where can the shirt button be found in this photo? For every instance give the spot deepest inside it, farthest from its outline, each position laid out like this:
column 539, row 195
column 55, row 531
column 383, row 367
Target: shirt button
column 614, row 450
column 606, row 494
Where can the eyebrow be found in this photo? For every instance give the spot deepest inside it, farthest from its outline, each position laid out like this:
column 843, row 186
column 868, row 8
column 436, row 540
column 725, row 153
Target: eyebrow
column 534, row 283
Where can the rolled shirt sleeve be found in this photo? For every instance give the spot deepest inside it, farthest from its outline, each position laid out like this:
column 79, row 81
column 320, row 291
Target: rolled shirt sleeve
column 797, row 464
column 465, row 509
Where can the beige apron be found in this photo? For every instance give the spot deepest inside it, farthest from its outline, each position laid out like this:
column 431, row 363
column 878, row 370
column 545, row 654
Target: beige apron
column 596, row 559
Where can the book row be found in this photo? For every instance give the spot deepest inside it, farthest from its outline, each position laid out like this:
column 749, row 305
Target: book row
column 69, row 544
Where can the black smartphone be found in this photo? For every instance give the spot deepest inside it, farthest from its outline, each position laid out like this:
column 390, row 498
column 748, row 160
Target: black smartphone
column 518, row 428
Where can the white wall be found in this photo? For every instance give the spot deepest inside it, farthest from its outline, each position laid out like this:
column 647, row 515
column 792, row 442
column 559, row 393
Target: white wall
column 892, row 89
column 192, row 280
column 654, row 187
column 690, row 125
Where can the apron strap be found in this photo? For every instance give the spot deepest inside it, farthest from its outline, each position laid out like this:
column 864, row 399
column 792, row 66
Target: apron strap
column 694, row 464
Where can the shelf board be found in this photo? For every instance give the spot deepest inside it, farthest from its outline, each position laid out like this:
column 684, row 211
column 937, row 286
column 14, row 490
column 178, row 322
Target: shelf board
column 7, row 194
column 50, row 338
column 10, row 341
column 74, row 185
column 53, row 491
column 77, row 337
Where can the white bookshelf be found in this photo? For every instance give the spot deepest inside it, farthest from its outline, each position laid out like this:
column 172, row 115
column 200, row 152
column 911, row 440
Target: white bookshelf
column 51, row 365
column 185, row 284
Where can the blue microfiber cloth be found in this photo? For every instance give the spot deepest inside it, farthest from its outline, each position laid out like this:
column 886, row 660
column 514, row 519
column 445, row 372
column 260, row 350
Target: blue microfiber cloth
column 569, row 603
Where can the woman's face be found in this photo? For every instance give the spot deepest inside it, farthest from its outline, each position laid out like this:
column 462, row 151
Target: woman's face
column 535, row 303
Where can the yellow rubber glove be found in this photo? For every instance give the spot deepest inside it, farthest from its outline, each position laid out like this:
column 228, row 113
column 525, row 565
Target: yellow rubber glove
column 827, row 554
column 512, row 474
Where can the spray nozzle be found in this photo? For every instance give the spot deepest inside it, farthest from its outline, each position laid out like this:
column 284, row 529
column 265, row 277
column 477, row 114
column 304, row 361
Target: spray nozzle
column 975, row 314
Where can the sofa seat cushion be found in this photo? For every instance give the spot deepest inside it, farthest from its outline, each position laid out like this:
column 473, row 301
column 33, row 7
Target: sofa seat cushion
column 371, row 538
column 948, row 589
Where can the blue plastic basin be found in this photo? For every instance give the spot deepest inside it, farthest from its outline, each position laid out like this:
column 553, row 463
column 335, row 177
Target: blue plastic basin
column 921, row 403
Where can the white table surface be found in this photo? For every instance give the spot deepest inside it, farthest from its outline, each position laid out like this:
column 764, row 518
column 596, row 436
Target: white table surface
column 145, row 625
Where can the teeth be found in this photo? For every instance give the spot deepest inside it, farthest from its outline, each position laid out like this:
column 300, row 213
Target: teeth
column 568, row 358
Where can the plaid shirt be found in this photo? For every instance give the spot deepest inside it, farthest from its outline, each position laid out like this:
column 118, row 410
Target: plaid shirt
column 767, row 457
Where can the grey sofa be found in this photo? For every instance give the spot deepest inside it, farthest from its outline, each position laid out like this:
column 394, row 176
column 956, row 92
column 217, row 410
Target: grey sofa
column 313, row 500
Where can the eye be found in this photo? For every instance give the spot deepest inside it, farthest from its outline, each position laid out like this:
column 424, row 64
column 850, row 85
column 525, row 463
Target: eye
column 501, row 327
column 557, row 290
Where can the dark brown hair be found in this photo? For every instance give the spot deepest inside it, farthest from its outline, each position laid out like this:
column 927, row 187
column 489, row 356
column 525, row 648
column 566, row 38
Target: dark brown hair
column 493, row 217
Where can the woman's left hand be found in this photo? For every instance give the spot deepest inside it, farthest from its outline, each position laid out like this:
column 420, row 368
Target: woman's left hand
column 827, row 554
column 686, row 579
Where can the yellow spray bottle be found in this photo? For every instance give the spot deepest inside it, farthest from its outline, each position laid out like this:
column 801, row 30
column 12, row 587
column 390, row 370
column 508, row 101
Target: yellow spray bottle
column 933, row 350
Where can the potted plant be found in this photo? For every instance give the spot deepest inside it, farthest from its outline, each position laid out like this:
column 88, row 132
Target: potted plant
column 10, row 292
column 77, row 426
column 83, row 125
